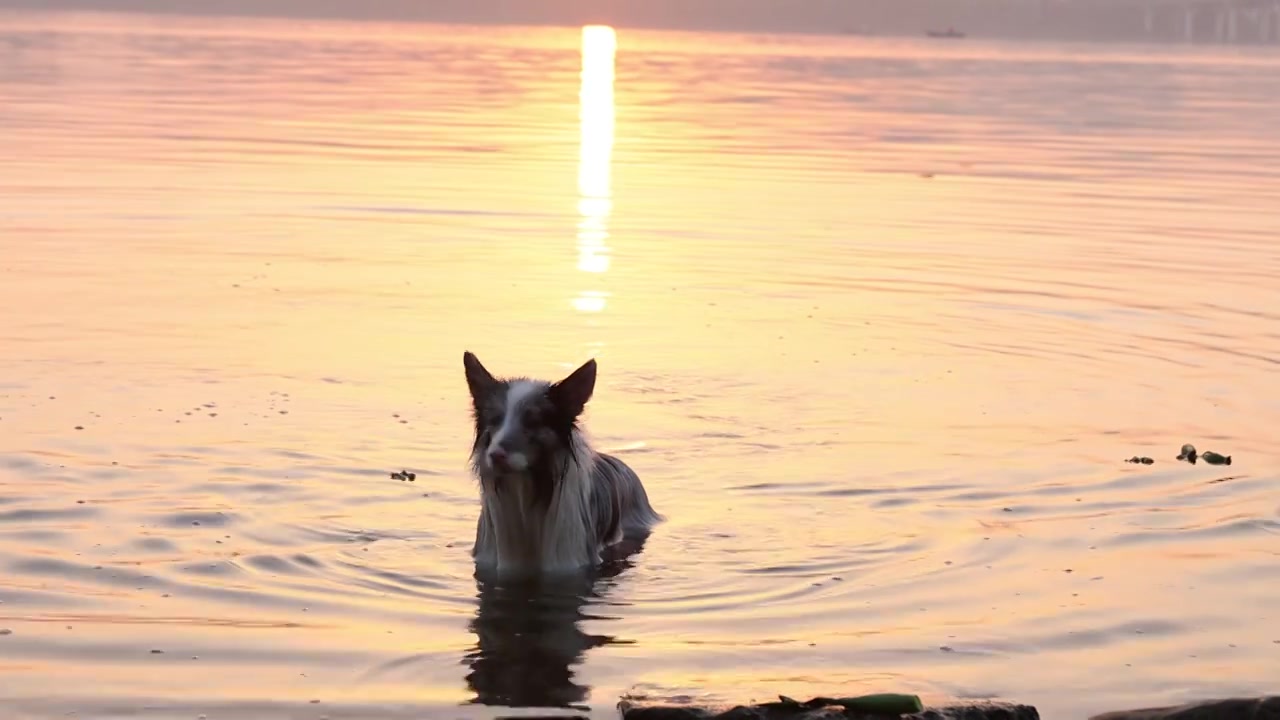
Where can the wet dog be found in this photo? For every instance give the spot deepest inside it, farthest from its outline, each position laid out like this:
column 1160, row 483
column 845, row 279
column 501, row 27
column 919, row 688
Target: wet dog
column 548, row 501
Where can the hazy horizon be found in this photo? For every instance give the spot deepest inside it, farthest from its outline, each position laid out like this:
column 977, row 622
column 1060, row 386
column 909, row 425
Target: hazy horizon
column 1077, row 19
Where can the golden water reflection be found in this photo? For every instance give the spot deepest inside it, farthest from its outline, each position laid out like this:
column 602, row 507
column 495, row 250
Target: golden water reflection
column 931, row 370
column 595, row 150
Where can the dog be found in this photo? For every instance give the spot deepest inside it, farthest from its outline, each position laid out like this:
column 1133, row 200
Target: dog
column 549, row 503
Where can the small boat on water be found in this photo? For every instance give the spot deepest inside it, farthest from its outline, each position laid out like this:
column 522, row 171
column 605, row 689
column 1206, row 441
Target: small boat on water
column 948, row 33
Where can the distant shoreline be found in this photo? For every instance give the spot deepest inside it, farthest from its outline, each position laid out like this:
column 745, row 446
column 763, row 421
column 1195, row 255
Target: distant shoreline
column 1083, row 22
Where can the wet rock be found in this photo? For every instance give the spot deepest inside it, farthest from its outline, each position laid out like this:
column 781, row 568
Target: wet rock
column 540, row 717
column 632, row 710
column 980, row 711
column 1267, row 708
column 879, row 704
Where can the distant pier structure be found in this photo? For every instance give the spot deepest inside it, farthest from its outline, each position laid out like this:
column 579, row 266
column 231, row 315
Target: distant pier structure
column 1213, row 21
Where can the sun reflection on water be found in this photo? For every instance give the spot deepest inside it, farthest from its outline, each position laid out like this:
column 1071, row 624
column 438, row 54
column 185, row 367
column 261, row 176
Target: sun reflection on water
column 596, row 120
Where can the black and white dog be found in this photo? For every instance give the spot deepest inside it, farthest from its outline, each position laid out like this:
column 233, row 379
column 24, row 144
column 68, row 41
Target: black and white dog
column 548, row 502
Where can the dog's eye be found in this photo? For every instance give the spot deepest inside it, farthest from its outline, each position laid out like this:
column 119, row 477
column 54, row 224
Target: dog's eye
column 493, row 421
column 529, row 417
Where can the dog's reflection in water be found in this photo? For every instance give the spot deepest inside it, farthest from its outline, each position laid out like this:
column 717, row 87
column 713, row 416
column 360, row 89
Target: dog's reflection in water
column 529, row 635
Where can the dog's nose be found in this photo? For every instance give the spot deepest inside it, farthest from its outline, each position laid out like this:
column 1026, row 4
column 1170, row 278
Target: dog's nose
column 498, row 457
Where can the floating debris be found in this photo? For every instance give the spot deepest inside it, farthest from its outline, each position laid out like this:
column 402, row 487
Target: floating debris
column 879, row 704
column 887, row 705
column 1143, row 460
column 1214, row 458
column 404, row 475
column 1189, row 454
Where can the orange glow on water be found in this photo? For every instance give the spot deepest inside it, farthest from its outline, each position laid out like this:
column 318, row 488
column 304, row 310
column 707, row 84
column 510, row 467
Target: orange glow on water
column 881, row 324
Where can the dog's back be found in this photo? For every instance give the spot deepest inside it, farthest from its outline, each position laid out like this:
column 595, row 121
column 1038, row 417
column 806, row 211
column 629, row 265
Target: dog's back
column 619, row 499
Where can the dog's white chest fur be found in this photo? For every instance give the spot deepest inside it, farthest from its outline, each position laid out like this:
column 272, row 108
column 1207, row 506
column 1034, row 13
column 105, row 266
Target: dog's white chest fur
column 515, row 534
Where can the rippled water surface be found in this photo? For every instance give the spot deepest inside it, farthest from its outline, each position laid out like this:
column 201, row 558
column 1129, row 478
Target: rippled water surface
column 877, row 321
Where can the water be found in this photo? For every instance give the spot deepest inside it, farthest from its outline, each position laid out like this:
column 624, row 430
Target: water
column 877, row 321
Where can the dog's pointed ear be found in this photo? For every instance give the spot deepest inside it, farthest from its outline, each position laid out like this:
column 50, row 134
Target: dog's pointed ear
column 572, row 393
column 479, row 380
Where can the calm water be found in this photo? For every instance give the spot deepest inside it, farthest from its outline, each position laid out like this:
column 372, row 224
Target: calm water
column 877, row 321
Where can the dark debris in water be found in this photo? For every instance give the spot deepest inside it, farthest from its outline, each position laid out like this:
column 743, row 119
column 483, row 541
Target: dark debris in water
column 404, row 475
column 1144, row 460
column 1227, row 709
column 823, row 708
column 541, row 717
column 1214, row 458
column 883, row 704
column 1190, row 455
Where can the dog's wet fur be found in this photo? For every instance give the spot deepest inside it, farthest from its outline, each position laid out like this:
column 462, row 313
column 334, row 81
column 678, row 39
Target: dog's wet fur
column 548, row 501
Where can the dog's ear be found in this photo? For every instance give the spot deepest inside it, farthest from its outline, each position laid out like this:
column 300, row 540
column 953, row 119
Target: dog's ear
column 572, row 393
column 479, row 380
